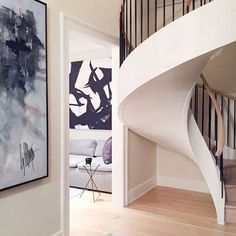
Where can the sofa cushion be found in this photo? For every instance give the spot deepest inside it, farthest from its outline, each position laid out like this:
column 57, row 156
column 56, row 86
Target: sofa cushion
column 76, row 159
column 107, row 151
column 98, row 160
column 99, row 148
column 83, row 147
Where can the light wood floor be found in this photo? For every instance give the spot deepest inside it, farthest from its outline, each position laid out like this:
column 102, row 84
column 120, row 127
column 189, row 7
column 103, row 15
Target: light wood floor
column 160, row 212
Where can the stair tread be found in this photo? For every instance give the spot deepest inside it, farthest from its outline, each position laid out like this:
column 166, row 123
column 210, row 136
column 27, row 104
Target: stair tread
column 230, row 205
column 229, row 163
column 230, row 183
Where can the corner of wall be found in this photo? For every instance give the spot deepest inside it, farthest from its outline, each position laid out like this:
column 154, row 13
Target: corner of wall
column 141, row 154
column 141, row 189
column 59, row 233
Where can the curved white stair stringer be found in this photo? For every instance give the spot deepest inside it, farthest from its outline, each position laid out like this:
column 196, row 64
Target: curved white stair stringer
column 158, row 109
column 155, row 81
column 209, row 170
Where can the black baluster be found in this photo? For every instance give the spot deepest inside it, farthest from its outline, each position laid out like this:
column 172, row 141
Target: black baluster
column 216, row 130
column 209, row 124
column 155, row 15
column 188, row 7
column 196, row 104
column 222, row 112
column 173, row 10
column 148, row 18
column 121, row 39
column 228, row 111
column 192, row 104
column 222, row 105
column 130, row 25
column 222, row 174
column 141, row 25
column 135, row 22
column 203, row 105
column 164, row 13
column 126, row 29
column 234, row 121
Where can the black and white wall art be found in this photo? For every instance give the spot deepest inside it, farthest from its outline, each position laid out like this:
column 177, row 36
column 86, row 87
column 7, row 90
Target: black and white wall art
column 23, row 92
column 90, row 94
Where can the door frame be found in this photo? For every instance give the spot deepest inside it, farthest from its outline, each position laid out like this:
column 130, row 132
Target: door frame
column 119, row 174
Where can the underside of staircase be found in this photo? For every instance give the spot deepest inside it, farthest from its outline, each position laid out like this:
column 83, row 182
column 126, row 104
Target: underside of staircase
column 156, row 83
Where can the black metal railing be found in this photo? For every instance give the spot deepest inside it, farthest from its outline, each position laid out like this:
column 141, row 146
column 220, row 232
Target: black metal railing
column 141, row 18
column 206, row 118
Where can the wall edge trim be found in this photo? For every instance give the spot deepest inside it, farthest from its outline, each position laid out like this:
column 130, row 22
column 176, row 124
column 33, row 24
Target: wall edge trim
column 141, row 189
column 180, row 183
column 59, row 233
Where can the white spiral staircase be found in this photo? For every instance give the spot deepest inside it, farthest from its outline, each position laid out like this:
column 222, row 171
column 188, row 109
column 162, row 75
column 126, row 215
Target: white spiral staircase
column 157, row 78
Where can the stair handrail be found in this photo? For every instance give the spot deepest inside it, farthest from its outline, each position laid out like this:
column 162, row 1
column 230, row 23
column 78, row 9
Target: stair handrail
column 220, row 120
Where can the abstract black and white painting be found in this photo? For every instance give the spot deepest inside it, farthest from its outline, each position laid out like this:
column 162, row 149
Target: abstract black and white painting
column 23, row 92
column 91, row 94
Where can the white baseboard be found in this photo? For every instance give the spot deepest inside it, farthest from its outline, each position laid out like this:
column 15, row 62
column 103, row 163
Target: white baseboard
column 141, row 189
column 192, row 185
column 59, row 233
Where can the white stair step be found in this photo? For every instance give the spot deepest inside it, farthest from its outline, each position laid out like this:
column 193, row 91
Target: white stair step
column 230, row 212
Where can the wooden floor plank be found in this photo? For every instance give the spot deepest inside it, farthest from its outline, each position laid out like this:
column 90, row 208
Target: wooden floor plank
column 103, row 218
column 188, row 202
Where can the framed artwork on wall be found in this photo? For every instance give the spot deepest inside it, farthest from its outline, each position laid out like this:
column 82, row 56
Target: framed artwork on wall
column 23, row 92
column 91, row 94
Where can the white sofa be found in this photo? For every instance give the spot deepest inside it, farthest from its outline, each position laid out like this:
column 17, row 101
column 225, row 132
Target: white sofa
column 81, row 149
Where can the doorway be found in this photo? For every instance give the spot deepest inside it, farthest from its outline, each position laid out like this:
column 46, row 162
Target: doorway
column 81, row 43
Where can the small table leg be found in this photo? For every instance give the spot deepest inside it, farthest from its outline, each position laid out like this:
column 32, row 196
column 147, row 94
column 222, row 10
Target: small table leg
column 94, row 186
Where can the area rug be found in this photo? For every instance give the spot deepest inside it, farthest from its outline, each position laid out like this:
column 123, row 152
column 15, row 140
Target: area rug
column 74, row 192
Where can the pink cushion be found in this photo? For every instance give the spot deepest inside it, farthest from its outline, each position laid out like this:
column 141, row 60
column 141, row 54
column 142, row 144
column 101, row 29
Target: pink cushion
column 107, row 151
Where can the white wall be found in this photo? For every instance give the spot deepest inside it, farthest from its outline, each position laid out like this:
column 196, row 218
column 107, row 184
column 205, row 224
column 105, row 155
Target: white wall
column 141, row 165
column 102, row 15
column 35, row 209
column 90, row 54
column 90, row 134
column 177, row 171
